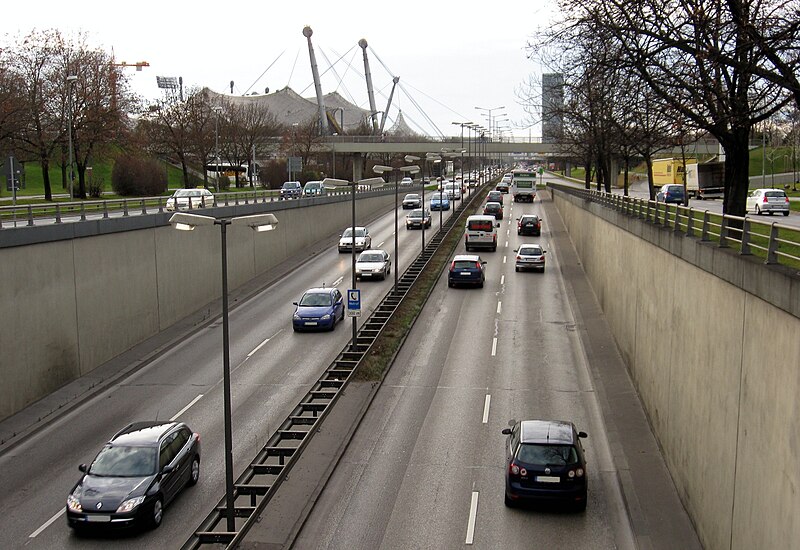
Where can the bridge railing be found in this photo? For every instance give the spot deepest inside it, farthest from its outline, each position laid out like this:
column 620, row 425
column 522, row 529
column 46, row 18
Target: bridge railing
column 773, row 242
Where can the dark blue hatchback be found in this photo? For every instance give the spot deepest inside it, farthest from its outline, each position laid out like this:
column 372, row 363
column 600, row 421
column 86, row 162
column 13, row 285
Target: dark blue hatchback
column 319, row 308
column 466, row 269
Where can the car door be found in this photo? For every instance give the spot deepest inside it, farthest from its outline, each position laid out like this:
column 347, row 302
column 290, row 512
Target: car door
column 170, row 481
column 338, row 304
column 751, row 201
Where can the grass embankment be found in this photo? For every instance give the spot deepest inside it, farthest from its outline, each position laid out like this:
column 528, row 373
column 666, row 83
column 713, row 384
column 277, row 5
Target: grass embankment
column 383, row 350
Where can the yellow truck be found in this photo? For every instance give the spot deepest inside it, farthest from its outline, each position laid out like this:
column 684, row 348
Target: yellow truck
column 703, row 180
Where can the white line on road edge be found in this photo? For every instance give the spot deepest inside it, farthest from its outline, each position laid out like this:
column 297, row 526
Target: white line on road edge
column 186, row 408
column 47, row 524
column 486, row 408
column 502, row 279
column 473, row 514
column 338, row 281
column 494, row 346
column 499, row 307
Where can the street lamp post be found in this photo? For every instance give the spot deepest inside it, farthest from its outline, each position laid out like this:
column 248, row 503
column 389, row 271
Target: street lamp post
column 216, row 109
column 259, row 222
column 490, row 115
column 71, row 79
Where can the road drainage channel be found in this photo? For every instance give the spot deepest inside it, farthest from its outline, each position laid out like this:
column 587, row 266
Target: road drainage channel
column 256, row 486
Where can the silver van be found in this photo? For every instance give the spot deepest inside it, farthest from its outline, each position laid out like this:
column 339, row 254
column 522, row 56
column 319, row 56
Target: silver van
column 313, row 189
column 481, row 232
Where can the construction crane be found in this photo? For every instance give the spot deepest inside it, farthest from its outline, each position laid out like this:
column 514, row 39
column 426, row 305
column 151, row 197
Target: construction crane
column 113, row 76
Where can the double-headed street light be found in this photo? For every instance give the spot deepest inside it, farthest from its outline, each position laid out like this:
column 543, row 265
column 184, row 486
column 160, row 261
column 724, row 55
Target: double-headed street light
column 258, row 222
column 71, row 79
column 381, row 169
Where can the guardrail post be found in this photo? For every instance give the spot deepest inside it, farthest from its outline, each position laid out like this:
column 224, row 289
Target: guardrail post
column 656, row 219
column 58, row 214
column 772, row 247
column 677, row 226
column 125, row 207
column 690, row 223
column 704, row 233
column 745, row 249
column 83, row 212
column 723, row 233
column 144, row 207
column 105, row 210
column 30, row 216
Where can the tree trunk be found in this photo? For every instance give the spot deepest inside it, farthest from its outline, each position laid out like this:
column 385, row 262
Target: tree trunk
column 737, row 178
column 625, row 177
column 587, row 178
column 44, row 162
column 649, row 161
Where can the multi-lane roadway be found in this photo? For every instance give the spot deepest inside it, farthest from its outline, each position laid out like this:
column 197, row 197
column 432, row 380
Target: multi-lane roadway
column 425, row 468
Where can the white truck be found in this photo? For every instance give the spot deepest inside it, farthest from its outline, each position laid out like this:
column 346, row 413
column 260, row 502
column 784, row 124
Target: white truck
column 523, row 185
column 705, row 180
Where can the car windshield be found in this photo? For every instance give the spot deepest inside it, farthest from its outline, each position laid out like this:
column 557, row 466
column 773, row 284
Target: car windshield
column 530, row 251
column 547, row 455
column 370, row 258
column 360, row 232
column 290, row 185
column 119, row 461
column 316, row 299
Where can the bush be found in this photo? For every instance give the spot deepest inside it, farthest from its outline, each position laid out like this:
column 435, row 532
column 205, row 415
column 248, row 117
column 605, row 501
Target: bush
column 94, row 187
column 137, row 177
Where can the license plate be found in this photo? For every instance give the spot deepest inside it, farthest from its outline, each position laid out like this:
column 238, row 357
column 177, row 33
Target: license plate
column 98, row 518
column 466, row 273
column 311, row 323
column 548, row 479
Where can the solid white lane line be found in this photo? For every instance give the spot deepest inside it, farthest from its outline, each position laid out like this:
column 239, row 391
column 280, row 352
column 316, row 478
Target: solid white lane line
column 494, row 346
column 186, row 408
column 502, row 277
column 47, row 523
column 338, row 281
column 499, row 307
column 258, row 347
column 473, row 514
column 486, row 408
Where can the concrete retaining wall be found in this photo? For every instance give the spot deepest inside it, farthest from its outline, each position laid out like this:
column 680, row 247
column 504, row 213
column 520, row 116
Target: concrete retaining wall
column 77, row 295
column 712, row 343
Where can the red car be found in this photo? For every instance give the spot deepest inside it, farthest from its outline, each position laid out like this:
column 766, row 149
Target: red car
column 493, row 209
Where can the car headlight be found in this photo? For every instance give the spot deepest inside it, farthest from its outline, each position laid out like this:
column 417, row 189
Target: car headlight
column 74, row 503
column 326, row 317
column 296, row 317
column 130, row 504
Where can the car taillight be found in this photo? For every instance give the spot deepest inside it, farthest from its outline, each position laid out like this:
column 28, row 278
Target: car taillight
column 453, row 266
column 787, row 200
column 766, row 199
column 516, row 470
column 197, row 436
column 478, row 265
column 519, row 257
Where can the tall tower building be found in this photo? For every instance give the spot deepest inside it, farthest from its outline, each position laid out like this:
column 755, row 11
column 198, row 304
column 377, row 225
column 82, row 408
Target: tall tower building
column 552, row 107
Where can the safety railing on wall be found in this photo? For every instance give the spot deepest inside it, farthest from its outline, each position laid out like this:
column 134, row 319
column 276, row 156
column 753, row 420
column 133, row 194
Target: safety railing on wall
column 774, row 242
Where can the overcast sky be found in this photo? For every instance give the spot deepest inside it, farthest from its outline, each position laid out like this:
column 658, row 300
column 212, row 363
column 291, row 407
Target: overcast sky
column 450, row 57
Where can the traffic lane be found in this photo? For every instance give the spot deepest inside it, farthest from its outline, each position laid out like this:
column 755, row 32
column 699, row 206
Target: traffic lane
column 197, row 362
column 431, row 507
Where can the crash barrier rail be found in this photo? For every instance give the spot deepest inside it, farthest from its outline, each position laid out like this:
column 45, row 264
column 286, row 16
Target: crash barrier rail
column 774, row 242
column 28, row 215
column 256, row 486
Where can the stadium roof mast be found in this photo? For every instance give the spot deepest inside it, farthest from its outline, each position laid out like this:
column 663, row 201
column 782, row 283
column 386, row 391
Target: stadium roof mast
column 370, row 89
column 323, row 119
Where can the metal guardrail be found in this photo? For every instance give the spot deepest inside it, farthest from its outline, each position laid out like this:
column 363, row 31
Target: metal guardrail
column 29, row 215
column 256, row 486
column 776, row 243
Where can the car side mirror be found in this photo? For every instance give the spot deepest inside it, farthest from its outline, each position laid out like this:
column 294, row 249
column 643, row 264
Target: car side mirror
column 340, row 234
column 167, row 469
column 582, row 434
column 512, row 422
column 506, row 431
column 544, row 251
column 294, row 303
column 516, row 250
column 483, row 263
column 83, row 468
column 497, row 224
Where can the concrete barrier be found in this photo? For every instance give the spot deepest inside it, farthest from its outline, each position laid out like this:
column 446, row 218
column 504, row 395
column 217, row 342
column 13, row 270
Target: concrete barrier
column 712, row 343
column 76, row 295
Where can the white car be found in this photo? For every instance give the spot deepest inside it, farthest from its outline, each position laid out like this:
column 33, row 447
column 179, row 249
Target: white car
column 406, row 181
column 189, row 199
column 363, row 240
column 768, row 200
column 373, row 264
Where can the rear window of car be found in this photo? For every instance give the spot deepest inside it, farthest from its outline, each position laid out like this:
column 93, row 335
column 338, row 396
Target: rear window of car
column 530, row 251
column 529, row 219
column 479, row 225
column 675, row 189
column 465, row 264
column 780, row 194
column 547, row 455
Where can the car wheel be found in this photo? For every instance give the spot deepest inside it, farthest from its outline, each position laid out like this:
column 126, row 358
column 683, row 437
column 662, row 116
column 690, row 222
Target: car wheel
column 581, row 506
column 494, row 248
column 516, row 269
column 786, row 213
column 333, row 323
column 771, row 212
column 480, row 285
column 758, row 210
column 194, row 476
column 156, row 513
column 450, row 284
column 510, row 503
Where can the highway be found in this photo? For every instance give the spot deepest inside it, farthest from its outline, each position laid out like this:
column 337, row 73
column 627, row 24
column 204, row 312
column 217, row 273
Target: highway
column 272, row 367
column 425, row 467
